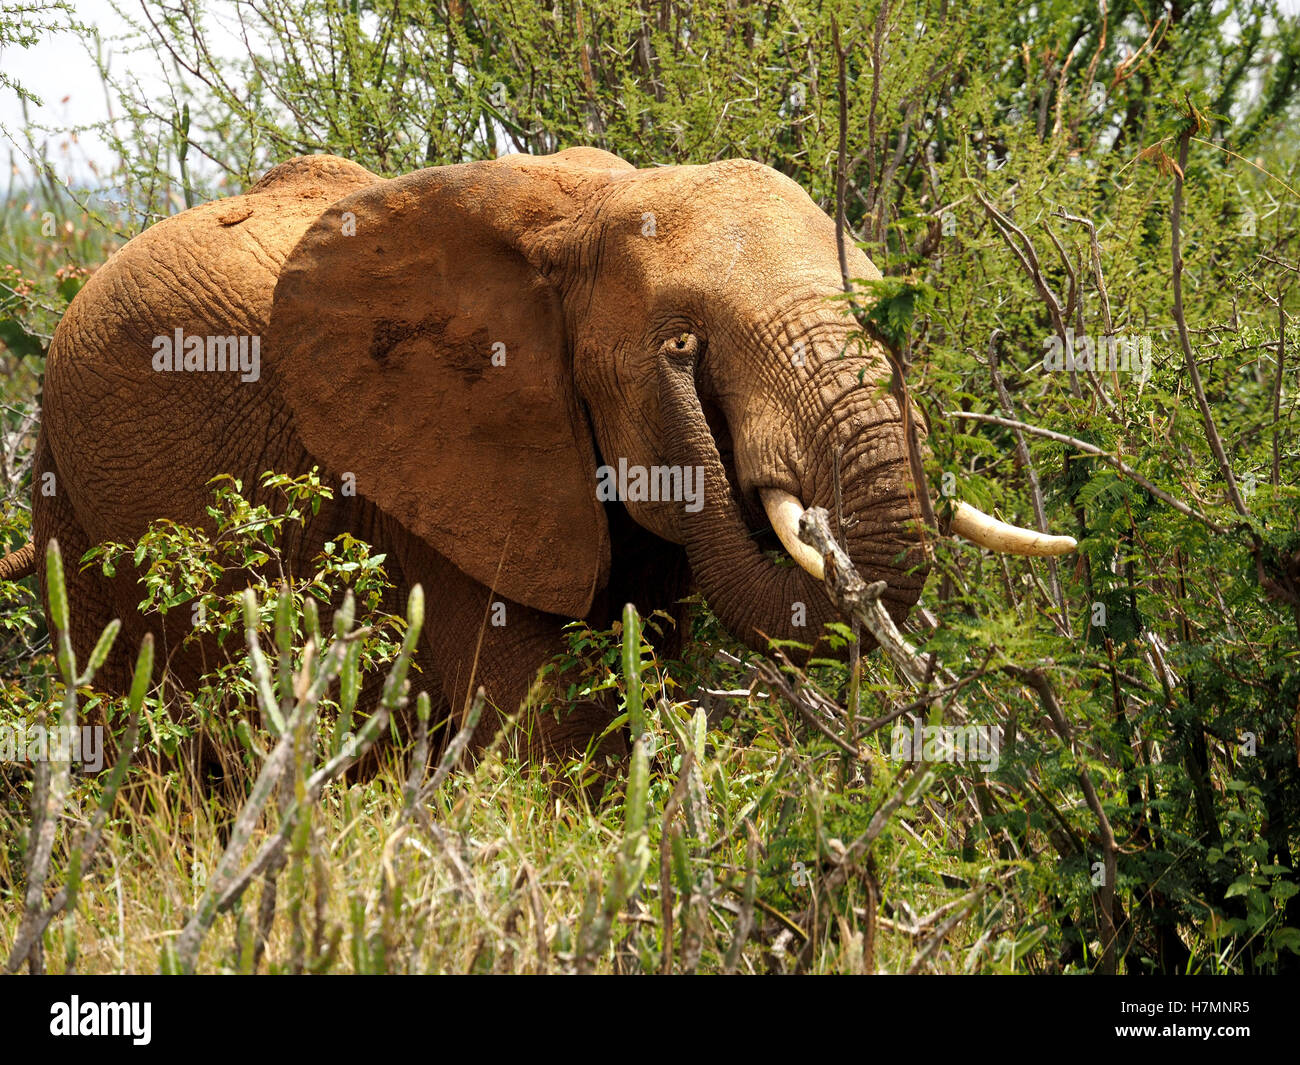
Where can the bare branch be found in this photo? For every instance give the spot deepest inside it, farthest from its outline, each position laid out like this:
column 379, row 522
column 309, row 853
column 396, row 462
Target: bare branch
column 1092, row 449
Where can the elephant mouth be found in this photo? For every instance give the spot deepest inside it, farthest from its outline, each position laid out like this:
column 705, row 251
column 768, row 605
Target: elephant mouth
column 748, row 503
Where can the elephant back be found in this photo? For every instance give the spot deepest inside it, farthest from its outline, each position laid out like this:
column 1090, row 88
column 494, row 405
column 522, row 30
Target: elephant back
column 133, row 442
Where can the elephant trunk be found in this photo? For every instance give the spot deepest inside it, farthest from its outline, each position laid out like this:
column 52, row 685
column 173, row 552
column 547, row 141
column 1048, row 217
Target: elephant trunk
column 857, row 469
column 755, row 596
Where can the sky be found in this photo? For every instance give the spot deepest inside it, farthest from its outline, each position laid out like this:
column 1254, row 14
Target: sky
column 58, row 70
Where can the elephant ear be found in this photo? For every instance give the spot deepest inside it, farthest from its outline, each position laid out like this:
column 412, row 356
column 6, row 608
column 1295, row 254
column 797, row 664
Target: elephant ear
column 421, row 349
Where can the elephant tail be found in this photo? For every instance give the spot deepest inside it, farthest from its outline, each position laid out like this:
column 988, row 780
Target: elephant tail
column 18, row 564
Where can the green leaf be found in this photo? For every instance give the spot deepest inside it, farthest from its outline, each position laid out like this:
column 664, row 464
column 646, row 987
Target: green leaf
column 15, row 337
column 69, row 287
column 632, row 669
column 56, row 588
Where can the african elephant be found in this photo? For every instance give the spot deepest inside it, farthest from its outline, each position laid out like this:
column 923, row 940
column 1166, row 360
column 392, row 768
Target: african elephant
column 557, row 383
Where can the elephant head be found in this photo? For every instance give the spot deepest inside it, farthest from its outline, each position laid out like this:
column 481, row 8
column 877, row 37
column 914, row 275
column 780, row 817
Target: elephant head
column 481, row 345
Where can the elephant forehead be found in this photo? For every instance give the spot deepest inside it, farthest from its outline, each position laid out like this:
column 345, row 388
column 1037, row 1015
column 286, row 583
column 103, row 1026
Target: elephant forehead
column 734, row 235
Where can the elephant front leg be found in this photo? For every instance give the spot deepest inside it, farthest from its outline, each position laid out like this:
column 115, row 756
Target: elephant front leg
column 477, row 639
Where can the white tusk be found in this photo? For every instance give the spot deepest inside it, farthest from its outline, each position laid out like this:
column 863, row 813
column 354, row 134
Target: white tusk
column 996, row 535
column 784, row 512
